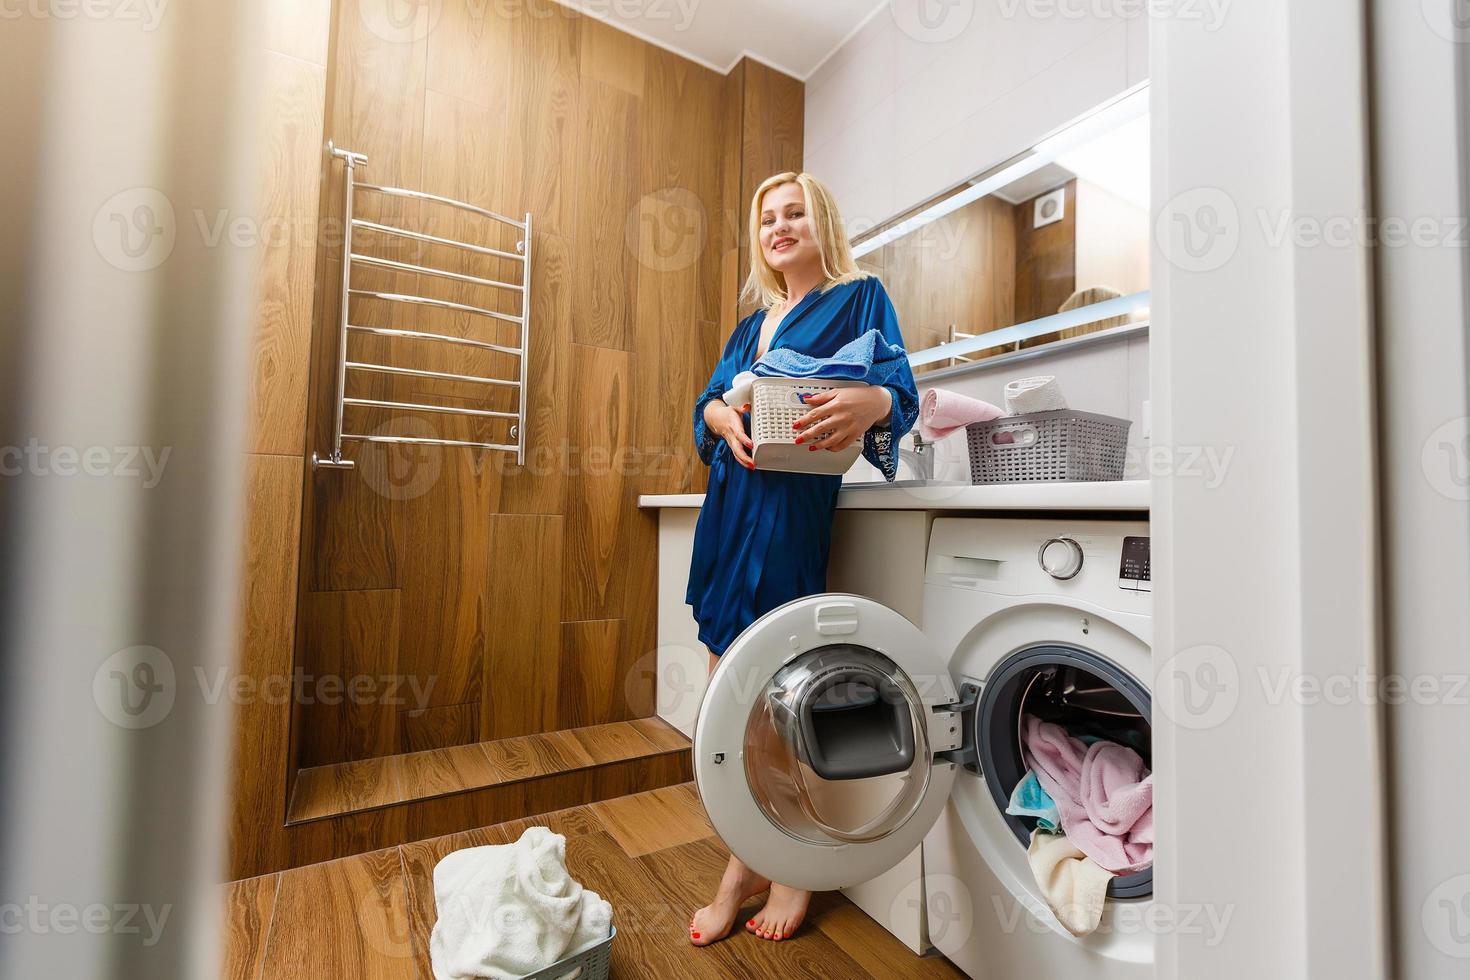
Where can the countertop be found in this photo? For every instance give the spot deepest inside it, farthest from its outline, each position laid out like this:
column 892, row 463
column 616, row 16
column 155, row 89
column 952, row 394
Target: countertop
column 1121, row 495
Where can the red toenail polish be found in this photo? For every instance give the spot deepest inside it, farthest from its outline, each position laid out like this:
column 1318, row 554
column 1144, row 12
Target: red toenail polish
column 696, row 935
column 751, row 922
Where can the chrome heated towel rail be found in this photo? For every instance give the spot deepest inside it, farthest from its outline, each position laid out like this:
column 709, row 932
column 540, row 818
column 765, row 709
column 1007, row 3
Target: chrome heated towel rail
column 352, row 259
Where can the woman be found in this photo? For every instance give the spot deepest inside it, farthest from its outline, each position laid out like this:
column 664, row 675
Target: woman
column 763, row 537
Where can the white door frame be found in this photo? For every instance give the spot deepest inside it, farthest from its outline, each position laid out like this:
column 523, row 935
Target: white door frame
column 1270, row 797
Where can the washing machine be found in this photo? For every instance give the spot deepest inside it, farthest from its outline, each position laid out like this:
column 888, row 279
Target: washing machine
column 836, row 736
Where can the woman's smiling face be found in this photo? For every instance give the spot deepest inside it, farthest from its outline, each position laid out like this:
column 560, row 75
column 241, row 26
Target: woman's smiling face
column 786, row 231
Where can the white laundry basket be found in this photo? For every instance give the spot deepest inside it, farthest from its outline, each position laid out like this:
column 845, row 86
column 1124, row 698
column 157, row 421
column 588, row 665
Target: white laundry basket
column 776, row 403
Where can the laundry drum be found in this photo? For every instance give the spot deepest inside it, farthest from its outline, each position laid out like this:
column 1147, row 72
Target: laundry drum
column 1084, row 693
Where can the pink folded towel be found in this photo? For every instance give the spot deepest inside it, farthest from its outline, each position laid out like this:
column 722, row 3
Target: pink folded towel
column 1103, row 797
column 942, row 412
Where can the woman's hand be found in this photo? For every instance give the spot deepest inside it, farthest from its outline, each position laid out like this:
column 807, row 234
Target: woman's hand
column 728, row 423
column 842, row 415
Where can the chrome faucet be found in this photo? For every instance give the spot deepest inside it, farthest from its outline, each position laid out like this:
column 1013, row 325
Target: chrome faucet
column 920, row 458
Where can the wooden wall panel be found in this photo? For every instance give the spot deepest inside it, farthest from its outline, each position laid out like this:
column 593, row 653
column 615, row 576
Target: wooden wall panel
column 634, row 163
column 291, row 142
column 601, row 399
column 299, row 29
column 605, row 288
column 291, row 129
column 590, row 685
column 772, row 126
column 430, row 728
column 267, row 622
column 348, row 636
column 523, row 645
column 958, row 270
column 1046, row 260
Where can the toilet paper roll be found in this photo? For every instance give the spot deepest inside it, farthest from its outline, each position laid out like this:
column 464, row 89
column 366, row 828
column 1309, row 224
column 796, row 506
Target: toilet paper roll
column 1038, row 394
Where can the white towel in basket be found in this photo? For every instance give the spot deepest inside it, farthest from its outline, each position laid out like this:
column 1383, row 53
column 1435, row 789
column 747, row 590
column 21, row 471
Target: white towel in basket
column 1038, row 394
column 507, row 910
column 739, row 393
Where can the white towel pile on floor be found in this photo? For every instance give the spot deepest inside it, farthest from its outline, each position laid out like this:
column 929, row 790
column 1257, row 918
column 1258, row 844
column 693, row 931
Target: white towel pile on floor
column 507, row 910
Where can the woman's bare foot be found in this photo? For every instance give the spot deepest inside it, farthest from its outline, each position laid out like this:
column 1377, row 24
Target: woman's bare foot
column 712, row 923
column 782, row 913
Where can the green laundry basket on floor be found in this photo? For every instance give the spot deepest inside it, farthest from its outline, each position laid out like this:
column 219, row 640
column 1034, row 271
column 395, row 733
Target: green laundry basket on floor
column 589, row 963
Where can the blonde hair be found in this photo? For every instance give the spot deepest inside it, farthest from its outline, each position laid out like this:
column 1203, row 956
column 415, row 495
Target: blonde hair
column 838, row 266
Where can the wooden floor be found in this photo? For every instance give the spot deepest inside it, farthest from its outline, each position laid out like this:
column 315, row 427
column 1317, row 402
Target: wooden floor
column 653, row 855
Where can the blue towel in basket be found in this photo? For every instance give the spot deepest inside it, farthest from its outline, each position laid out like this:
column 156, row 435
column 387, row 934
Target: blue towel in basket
column 870, row 359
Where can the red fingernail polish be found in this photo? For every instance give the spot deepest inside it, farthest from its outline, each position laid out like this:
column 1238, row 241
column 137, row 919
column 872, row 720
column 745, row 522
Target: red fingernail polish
column 798, row 440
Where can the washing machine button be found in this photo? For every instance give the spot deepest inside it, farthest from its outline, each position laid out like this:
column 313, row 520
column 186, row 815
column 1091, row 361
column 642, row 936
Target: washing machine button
column 1061, row 558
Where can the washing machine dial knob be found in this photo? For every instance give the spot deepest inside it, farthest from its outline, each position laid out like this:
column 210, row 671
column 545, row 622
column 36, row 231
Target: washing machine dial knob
column 1061, row 558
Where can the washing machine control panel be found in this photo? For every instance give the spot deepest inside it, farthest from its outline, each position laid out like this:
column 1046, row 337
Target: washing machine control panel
column 1133, row 571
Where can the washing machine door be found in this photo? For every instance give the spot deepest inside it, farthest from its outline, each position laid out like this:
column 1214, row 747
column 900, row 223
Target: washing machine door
column 825, row 745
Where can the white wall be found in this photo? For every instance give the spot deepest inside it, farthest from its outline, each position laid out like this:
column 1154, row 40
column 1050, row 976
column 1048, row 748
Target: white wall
column 903, row 111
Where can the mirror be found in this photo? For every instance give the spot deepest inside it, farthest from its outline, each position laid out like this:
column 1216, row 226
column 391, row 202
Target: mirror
column 1050, row 245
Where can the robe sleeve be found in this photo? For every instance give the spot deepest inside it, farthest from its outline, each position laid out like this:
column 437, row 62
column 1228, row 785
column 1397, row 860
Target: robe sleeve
column 706, row 443
column 880, row 443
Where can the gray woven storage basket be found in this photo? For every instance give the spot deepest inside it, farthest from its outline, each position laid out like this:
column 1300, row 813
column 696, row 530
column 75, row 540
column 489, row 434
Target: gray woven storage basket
column 1045, row 447
column 589, row 964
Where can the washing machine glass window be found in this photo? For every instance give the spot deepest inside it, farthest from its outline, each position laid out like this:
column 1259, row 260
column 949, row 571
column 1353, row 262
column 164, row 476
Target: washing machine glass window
column 824, row 748
column 836, row 748
column 1079, row 690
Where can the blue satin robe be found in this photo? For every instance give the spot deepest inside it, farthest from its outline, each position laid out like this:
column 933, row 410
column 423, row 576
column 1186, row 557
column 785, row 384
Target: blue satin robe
column 762, row 538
